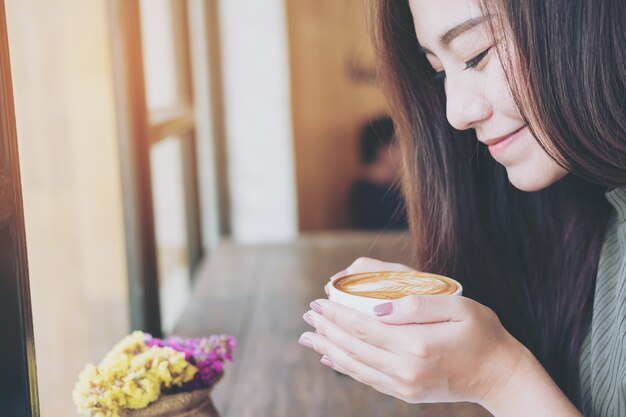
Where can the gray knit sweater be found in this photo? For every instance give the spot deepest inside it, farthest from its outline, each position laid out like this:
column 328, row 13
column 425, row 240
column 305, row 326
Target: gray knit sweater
column 603, row 354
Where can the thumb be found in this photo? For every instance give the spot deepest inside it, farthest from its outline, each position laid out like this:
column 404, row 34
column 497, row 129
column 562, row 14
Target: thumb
column 423, row 309
column 364, row 264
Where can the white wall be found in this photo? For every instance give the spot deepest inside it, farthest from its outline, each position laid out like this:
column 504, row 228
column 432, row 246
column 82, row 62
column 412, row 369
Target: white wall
column 205, row 140
column 255, row 70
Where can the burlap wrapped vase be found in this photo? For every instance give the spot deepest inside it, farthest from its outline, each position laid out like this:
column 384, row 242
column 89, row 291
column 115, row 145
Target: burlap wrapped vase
column 185, row 404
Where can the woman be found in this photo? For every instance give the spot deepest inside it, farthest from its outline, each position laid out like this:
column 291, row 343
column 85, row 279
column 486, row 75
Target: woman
column 512, row 127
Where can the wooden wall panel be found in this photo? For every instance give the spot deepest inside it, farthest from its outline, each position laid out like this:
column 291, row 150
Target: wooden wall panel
column 69, row 158
column 329, row 42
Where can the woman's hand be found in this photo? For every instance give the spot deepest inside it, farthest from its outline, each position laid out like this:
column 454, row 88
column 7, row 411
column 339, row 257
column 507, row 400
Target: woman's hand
column 435, row 348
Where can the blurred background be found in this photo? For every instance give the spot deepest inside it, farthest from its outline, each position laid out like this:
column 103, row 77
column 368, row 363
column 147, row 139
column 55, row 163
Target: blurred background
column 152, row 131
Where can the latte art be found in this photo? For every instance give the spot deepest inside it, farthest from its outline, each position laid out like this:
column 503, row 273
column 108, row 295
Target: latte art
column 394, row 285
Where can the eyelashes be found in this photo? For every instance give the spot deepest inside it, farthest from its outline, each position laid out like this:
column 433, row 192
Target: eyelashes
column 470, row 64
column 473, row 63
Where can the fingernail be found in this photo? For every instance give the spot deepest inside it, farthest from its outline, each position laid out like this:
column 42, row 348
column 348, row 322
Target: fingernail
column 383, row 309
column 327, row 361
column 309, row 319
column 316, row 307
column 305, row 342
column 339, row 274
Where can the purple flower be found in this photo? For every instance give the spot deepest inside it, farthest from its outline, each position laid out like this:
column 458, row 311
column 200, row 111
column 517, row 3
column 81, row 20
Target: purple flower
column 208, row 354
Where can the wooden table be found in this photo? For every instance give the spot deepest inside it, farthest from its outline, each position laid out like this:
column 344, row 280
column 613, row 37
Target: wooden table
column 258, row 294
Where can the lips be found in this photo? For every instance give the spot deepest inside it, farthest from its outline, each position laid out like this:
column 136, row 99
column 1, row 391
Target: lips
column 495, row 141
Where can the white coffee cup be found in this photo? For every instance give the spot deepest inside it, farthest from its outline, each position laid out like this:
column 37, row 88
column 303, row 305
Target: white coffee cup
column 365, row 290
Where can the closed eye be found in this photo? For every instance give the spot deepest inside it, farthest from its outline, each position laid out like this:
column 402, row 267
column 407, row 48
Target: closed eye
column 473, row 63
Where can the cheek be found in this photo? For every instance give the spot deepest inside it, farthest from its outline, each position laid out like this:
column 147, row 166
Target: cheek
column 536, row 170
column 498, row 92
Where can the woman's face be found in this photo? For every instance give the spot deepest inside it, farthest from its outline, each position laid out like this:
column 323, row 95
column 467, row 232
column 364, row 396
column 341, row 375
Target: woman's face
column 459, row 46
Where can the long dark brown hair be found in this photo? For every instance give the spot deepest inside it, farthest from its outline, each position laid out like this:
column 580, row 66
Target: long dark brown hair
column 531, row 257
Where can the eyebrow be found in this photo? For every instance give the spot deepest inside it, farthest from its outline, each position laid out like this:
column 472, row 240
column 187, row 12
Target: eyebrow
column 457, row 31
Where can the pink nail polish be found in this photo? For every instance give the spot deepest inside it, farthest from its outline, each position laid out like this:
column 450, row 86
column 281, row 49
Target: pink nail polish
column 305, row 342
column 326, row 361
column 309, row 319
column 383, row 309
column 316, row 307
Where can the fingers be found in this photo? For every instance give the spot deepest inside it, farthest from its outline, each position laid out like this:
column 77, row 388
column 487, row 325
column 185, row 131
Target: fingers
column 399, row 360
column 337, row 359
column 362, row 326
column 338, row 275
column 391, row 339
column 353, row 346
column 364, row 264
column 422, row 309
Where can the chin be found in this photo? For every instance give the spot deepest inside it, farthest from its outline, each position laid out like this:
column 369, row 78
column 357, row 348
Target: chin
column 534, row 180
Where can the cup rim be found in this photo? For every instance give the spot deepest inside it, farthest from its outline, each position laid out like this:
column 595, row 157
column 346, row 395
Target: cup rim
column 458, row 290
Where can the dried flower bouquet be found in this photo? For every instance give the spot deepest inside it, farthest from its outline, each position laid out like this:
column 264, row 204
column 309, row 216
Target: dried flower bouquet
column 141, row 369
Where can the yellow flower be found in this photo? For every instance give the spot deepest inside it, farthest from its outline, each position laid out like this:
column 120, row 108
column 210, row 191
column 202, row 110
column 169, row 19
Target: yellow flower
column 140, row 389
column 131, row 376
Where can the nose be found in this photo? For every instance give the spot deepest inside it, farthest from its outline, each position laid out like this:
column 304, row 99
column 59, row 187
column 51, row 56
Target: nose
column 466, row 107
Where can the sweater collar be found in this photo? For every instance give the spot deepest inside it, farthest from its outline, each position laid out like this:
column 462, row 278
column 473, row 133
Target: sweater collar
column 617, row 198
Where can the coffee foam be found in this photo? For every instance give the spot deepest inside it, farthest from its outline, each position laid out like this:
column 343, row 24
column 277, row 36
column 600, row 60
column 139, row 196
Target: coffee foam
column 394, row 285
column 363, row 291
